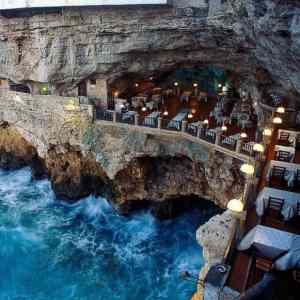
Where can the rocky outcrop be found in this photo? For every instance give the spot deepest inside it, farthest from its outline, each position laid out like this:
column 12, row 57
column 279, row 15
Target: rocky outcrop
column 74, row 176
column 246, row 37
column 215, row 237
column 15, row 151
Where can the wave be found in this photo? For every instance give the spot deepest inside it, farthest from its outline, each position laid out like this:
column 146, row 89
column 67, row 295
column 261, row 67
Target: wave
column 53, row 250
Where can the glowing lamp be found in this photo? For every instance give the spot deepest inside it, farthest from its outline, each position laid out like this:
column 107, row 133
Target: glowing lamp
column 258, row 148
column 166, row 113
column 176, row 83
column 280, row 110
column 244, row 135
column 267, row 132
column 151, row 78
column 235, row 205
column 144, row 108
column 116, row 94
column 194, row 111
column 190, row 116
column 224, row 89
column 205, row 122
column 136, row 85
column 277, row 120
column 122, row 105
column 219, row 85
column 195, row 85
column 224, row 128
column 247, row 169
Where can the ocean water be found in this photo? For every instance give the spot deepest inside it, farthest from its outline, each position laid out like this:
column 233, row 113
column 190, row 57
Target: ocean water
column 50, row 250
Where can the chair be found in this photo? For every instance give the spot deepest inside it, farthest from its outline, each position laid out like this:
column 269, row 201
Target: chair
column 263, row 264
column 296, row 275
column 296, row 187
column 284, row 138
column 272, row 215
column 283, row 156
column 277, row 177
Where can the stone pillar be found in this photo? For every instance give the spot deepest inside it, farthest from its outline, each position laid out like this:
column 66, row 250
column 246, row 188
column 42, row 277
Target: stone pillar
column 184, row 125
column 91, row 111
column 239, row 145
column 136, row 119
column 159, row 123
column 114, row 116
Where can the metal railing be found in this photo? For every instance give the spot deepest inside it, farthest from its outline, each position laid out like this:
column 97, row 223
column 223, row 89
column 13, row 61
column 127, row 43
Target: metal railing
column 192, row 129
column 125, row 118
column 247, row 149
column 149, row 122
column 228, row 142
column 106, row 115
column 208, row 135
column 171, row 125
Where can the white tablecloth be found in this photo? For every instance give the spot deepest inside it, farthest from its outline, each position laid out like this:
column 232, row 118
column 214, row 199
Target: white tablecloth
column 174, row 123
column 270, row 242
column 291, row 260
column 290, row 171
column 290, row 201
column 292, row 135
column 291, row 150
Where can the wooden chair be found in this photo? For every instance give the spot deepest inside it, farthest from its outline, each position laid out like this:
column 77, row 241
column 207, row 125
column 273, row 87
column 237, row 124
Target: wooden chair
column 263, row 264
column 283, row 156
column 296, row 187
column 277, row 177
column 296, row 275
column 272, row 214
column 284, row 138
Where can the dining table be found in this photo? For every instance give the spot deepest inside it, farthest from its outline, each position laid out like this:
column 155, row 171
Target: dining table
column 268, row 242
column 290, row 204
column 289, row 149
column 290, row 174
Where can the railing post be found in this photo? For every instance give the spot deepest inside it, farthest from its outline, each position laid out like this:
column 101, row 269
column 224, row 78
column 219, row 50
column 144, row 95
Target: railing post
column 114, row 116
column 136, row 119
column 218, row 137
column 239, row 145
column 159, row 122
column 199, row 131
column 184, row 125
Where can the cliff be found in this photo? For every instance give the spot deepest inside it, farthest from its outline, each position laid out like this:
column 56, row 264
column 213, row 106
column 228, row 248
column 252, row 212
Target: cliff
column 130, row 165
column 259, row 41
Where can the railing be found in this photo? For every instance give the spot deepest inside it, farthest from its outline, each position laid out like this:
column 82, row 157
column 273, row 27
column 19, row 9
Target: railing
column 208, row 135
column 148, row 122
column 192, row 129
column 171, row 125
column 228, row 142
column 106, row 115
column 247, row 149
column 125, row 118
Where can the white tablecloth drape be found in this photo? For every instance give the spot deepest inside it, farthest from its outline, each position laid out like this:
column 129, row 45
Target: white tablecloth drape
column 292, row 135
column 291, row 260
column 291, row 201
column 269, row 242
column 290, row 171
column 291, row 150
column 175, row 122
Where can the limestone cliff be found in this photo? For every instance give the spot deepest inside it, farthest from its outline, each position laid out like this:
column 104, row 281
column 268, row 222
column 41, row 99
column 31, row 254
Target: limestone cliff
column 248, row 37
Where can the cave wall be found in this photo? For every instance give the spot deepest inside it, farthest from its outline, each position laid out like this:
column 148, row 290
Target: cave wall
column 66, row 46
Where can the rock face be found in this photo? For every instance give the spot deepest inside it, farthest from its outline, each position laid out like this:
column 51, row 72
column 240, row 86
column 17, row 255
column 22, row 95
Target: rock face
column 15, row 151
column 219, row 230
column 247, row 37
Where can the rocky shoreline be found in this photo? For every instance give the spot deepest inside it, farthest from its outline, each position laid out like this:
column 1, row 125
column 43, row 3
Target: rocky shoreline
column 168, row 184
